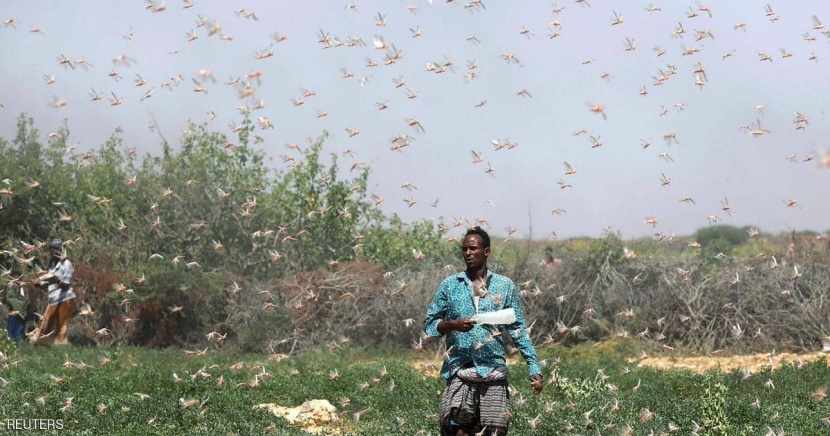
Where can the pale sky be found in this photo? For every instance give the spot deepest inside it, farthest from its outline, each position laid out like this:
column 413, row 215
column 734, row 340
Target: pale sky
column 619, row 184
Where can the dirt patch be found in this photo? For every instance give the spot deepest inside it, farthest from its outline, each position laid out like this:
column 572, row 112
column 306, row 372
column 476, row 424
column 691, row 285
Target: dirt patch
column 314, row 416
column 754, row 362
column 427, row 367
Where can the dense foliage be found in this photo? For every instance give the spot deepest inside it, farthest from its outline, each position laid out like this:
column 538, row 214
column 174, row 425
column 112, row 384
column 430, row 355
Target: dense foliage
column 207, row 246
column 191, row 228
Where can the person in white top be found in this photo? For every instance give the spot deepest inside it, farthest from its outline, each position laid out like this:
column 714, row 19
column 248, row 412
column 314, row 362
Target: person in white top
column 55, row 322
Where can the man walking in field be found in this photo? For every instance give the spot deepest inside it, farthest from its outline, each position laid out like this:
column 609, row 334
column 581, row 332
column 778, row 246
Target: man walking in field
column 476, row 397
column 55, row 322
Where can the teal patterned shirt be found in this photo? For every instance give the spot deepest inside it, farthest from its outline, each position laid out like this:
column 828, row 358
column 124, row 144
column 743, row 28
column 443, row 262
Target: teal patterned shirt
column 483, row 346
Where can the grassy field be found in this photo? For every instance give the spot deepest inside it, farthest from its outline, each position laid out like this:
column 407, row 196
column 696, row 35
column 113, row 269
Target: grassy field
column 597, row 390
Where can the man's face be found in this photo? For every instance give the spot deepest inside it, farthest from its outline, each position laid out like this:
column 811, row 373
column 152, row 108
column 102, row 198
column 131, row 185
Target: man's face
column 473, row 251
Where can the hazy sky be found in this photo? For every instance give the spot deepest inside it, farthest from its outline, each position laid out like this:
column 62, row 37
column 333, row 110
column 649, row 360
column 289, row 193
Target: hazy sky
column 539, row 71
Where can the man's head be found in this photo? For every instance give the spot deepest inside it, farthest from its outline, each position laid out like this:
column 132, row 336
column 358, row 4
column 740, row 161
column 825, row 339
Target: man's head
column 475, row 248
column 56, row 246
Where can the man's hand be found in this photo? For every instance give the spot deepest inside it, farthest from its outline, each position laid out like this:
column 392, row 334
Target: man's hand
column 461, row 325
column 45, row 278
column 536, row 382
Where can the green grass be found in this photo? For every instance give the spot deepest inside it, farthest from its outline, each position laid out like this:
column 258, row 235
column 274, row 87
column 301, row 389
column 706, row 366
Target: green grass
column 678, row 398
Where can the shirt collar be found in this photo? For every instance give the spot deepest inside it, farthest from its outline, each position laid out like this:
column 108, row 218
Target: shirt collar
column 462, row 276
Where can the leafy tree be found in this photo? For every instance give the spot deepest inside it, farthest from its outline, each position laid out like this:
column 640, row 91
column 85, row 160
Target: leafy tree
column 606, row 252
column 394, row 244
column 150, row 232
column 731, row 235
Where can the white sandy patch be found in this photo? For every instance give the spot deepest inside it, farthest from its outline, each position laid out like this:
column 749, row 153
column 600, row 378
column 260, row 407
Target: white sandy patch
column 314, row 416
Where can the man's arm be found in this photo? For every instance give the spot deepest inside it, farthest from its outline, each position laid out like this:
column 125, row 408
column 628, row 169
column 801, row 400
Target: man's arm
column 62, row 276
column 436, row 312
column 435, row 324
column 70, row 272
column 4, row 298
column 518, row 332
column 65, row 275
column 461, row 325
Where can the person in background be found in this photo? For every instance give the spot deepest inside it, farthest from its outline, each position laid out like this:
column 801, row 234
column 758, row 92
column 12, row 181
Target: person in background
column 14, row 298
column 58, row 280
column 475, row 400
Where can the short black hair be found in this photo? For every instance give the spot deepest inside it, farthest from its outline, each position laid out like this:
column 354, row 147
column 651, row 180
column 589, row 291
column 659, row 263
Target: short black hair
column 477, row 230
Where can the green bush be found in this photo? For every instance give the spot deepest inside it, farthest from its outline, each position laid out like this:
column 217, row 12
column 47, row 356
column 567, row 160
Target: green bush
column 7, row 347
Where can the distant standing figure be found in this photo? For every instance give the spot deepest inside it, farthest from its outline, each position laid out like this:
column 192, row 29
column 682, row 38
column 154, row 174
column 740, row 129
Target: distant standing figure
column 55, row 322
column 18, row 305
column 475, row 400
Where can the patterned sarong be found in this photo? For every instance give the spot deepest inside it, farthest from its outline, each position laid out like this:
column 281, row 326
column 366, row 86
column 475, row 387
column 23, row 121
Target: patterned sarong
column 474, row 403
